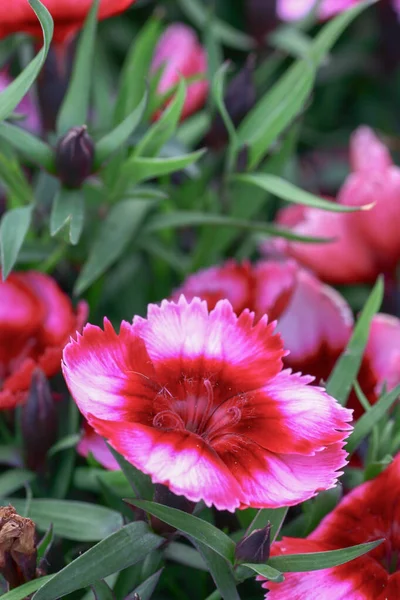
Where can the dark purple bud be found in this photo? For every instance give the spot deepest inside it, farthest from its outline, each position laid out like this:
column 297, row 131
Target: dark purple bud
column 74, row 157
column 240, row 97
column 255, row 547
column 38, row 421
column 18, row 550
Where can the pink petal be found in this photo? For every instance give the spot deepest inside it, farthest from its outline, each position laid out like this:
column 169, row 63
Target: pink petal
column 367, row 152
column 179, row 459
column 184, row 337
column 92, row 443
column 275, row 283
column 109, row 374
column 315, row 327
column 20, row 309
column 382, row 353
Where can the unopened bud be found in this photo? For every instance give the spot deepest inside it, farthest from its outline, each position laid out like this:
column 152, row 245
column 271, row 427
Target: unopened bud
column 38, row 421
column 18, row 551
column 255, row 547
column 74, row 157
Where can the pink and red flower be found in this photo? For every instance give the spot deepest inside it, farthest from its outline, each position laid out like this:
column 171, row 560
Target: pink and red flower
column 179, row 54
column 198, row 400
column 365, row 243
column 370, row 512
column 36, row 321
column 68, row 15
column 314, row 320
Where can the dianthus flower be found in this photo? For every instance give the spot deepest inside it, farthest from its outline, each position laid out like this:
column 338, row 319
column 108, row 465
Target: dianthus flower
column 36, row 321
column 198, row 400
column 370, row 512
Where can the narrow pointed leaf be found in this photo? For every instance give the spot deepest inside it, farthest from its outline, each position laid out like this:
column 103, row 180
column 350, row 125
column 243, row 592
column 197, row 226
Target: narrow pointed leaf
column 14, row 479
column 289, row 192
column 345, row 372
column 102, row 591
column 221, row 571
column 146, row 589
column 140, row 483
column 115, row 140
column 68, row 210
column 266, row 571
column 13, row 94
column 75, row 107
column 24, row 591
column 197, row 528
column 274, row 516
column 313, row 561
column 71, row 520
column 13, row 229
column 123, row 548
column 138, row 168
column 29, row 146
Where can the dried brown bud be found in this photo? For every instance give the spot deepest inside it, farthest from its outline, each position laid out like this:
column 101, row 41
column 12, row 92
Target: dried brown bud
column 18, row 551
column 74, row 157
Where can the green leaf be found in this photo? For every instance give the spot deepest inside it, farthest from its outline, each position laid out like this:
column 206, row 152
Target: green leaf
column 117, row 230
column 123, row 548
column 345, row 372
column 67, row 442
column 29, row 146
column 289, row 192
column 365, row 424
column 45, row 543
column 163, row 129
column 197, row 528
column 146, row 589
column 132, row 84
column 71, row 520
column 218, row 88
column 13, row 229
column 68, row 210
column 24, row 591
column 114, row 140
column 314, row 561
column 102, row 591
column 227, row 34
column 138, row 169
column 220, row 570
column 13, row 94
column 188, row 218
column 140, row 483
column 185, row 555
column 274, row 516
column 266, row 571
column 13, row 480
column 75, row 106
column 285, row 100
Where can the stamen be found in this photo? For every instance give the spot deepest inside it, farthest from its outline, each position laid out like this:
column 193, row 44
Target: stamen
column 168, row 420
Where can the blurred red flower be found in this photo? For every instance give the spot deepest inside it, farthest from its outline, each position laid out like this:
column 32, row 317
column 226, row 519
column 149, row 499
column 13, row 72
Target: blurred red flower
column 180, row 54
column 370, row 512
column 17, row 16
column 36, row 321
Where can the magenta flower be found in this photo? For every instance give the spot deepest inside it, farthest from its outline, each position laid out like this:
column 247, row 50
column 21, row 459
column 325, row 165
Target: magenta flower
column 370, row 512
column 199, row 401
column 179, row 54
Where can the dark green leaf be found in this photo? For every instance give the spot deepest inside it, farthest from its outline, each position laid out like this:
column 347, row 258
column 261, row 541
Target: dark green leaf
column 71, row 520
column 343, row 375
column 140, row 483
column 29, row 146
column 70, row 441
column 313, row 561
column 24, row 591
column 123, row 548
column 68, row 210
column 146, row 589
column 74, row 109
column 197, row 528
column 116, row 231
column 275, row 517
column 185, row 555
column 13, row 229
column 102, row 591
column 220, row 570
column 364, row 425
column 218, row 89
column 138, row 168
column 13, row 94
column 13, row 480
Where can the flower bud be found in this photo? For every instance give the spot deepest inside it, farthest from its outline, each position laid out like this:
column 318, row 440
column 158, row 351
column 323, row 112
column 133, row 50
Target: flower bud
column 38, row 421
column 255, row 547
column 74, row 157
column 18, row 550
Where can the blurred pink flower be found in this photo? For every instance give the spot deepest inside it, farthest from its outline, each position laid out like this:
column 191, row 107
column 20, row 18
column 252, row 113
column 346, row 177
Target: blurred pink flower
column 293, row 10
column 199, row 401
column 179, row 54
column 370, row 512
column 365, row 243
column 92, row 443
column 27, row 107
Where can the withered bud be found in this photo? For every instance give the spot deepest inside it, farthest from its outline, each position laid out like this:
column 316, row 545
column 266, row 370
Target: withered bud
column 18, row 551
column 74, row 157
column 38, row 421
column 255, row 547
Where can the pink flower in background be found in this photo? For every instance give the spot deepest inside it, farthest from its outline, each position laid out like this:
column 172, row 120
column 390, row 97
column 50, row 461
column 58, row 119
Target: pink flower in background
column 314, row 320
column 180, row 54
column 370, row 512
column 199, row 401
column 365, row 243
column 92, row 443
column 293, row 10
column 27, row 107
